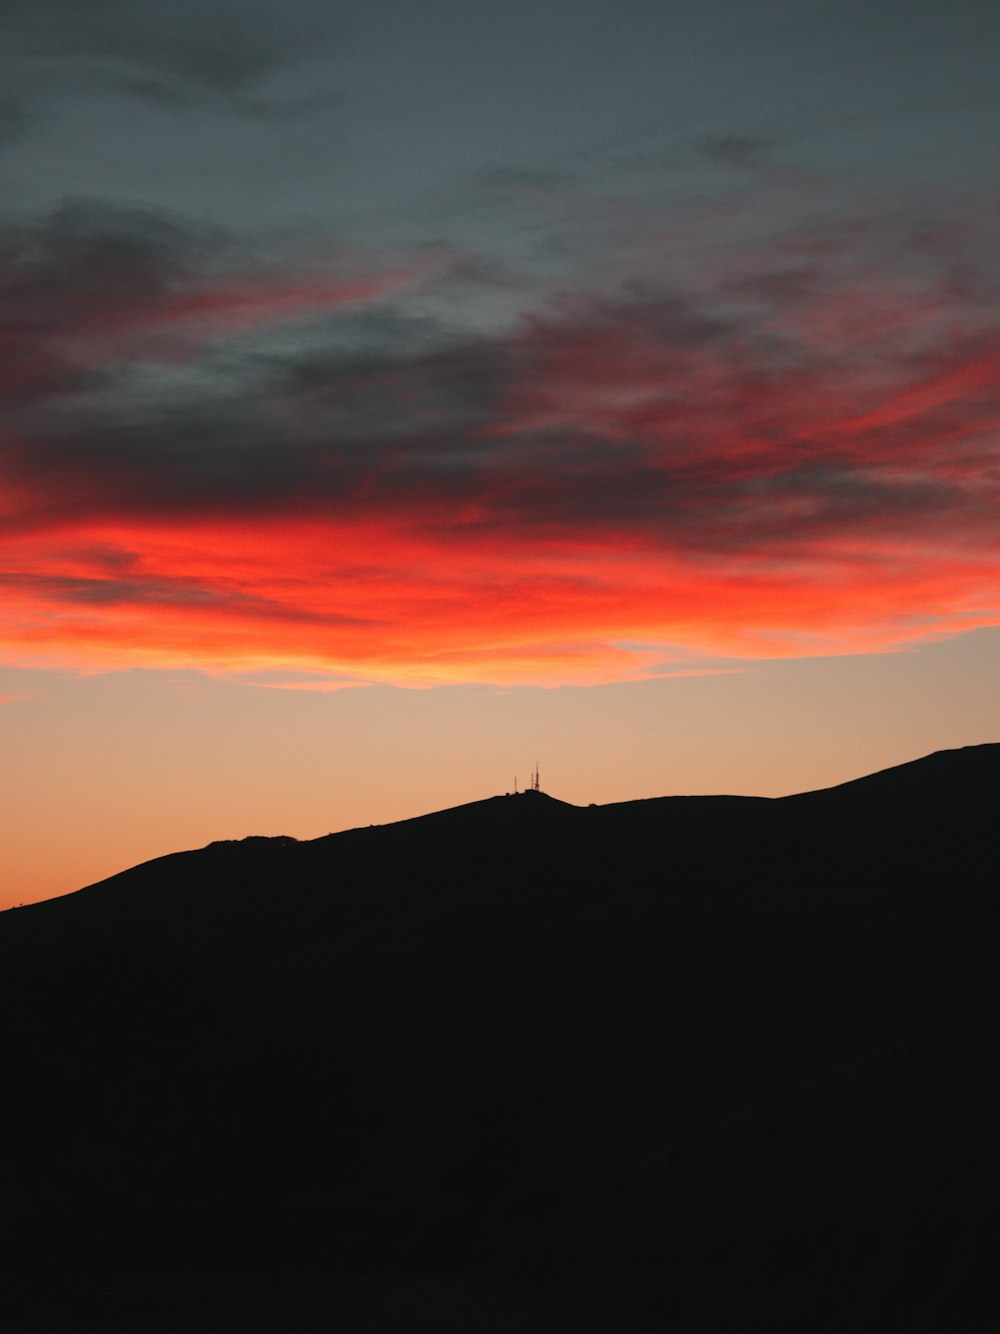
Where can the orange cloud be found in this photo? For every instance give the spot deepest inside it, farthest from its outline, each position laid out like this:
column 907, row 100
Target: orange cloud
column 416, row 611
column 526, row 506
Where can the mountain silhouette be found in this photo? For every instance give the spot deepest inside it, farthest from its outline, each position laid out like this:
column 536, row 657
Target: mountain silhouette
column 716, row 1063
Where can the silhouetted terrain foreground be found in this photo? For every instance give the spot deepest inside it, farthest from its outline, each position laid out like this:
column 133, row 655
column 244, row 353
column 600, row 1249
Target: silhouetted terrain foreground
column 689, row 1064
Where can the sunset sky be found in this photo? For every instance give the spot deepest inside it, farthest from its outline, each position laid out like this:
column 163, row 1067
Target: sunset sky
column 393, row 394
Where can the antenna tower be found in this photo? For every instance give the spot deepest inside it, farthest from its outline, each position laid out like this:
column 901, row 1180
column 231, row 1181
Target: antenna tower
column 536, row 783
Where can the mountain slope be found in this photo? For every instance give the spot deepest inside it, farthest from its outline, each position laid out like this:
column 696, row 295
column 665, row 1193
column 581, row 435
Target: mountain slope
column 444, row 945
column 697, row 1063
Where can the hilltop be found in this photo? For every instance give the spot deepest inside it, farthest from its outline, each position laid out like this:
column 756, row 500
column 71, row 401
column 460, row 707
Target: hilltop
column 683, row 1037
column 546, row 920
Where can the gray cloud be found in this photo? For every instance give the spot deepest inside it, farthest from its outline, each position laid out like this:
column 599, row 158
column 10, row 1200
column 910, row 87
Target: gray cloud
column 734, row 150
column 194, row 596
column 14, row 120
column 84, row 272
column 176, row 55
column 672, row 420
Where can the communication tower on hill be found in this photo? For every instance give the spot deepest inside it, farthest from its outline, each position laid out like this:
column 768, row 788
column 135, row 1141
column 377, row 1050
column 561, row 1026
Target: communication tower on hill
column 534, row 782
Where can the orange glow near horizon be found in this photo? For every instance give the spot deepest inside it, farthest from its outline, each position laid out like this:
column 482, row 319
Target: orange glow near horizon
column 288, row 593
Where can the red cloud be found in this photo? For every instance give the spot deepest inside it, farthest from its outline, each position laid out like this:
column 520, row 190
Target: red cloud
column 514, row 508
column 370, row 601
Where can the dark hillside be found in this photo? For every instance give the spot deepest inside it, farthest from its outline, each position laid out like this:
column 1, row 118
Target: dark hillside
column 807, row 1149
column 544, row 921
column 696, row 1063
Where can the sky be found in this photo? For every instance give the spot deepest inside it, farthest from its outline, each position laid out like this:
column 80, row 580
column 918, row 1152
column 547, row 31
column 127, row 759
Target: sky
column 393, row 395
